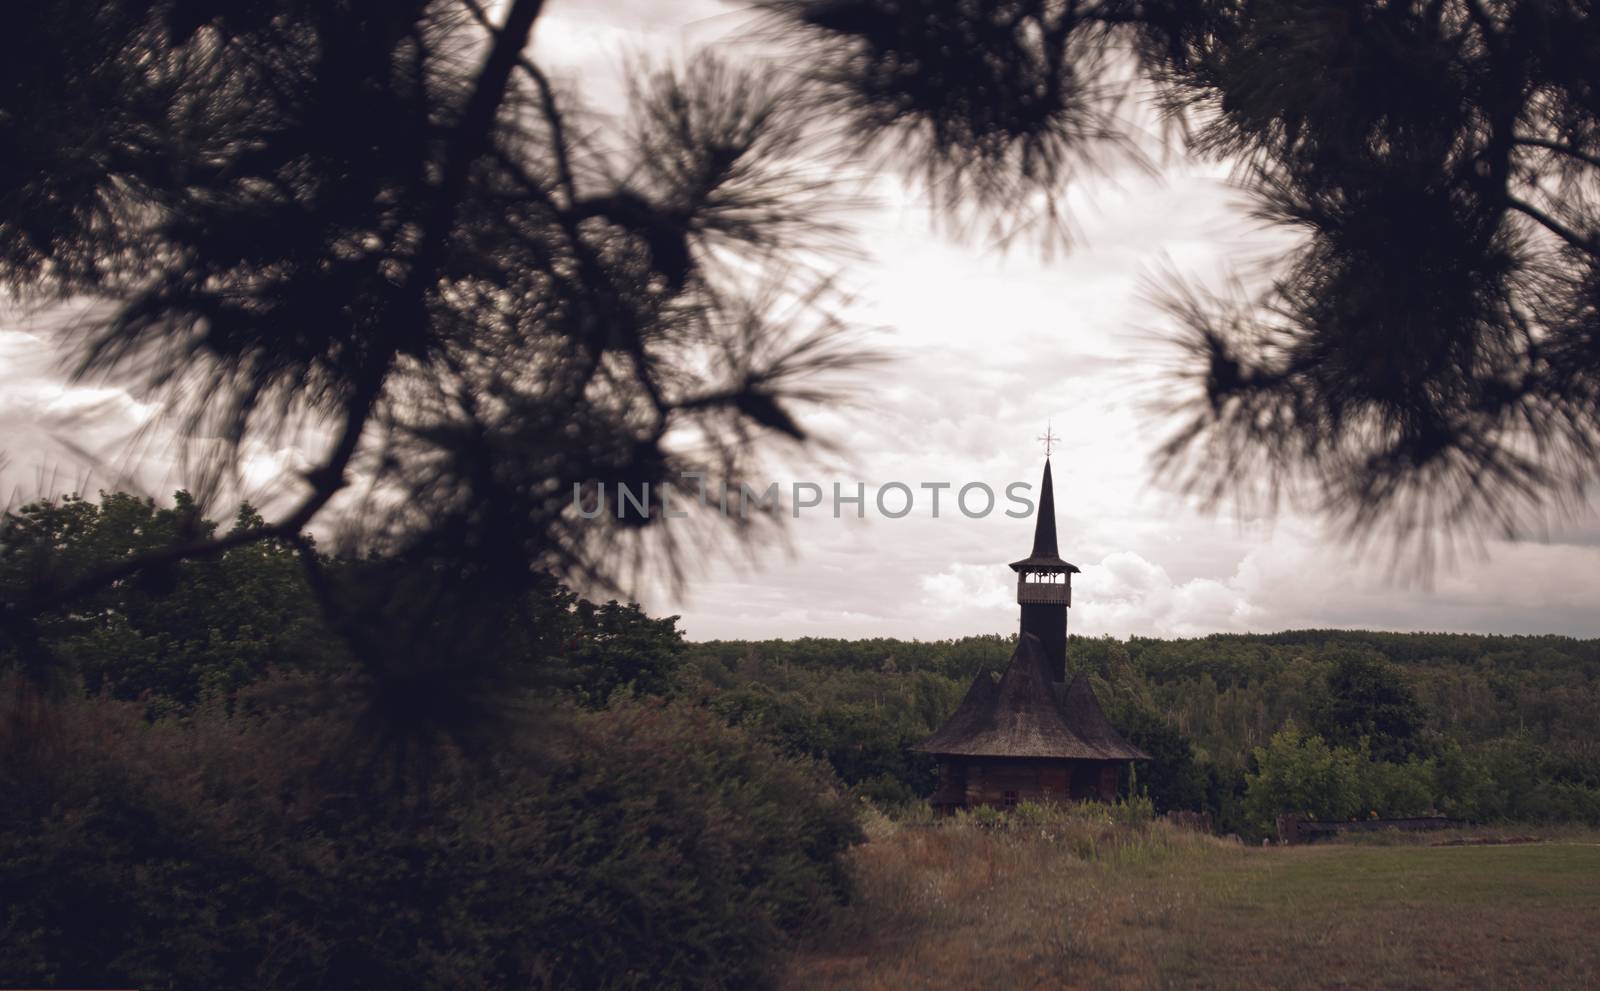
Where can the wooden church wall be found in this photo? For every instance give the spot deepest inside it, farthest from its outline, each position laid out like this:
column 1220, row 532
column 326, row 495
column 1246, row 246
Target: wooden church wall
column 1001, row 782
column 1108, row 782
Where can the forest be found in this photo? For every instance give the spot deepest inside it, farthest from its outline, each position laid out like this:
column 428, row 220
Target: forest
column 244, row 800
column 1335, row 723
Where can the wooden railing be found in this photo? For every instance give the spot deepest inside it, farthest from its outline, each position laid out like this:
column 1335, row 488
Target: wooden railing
column 1044, row 593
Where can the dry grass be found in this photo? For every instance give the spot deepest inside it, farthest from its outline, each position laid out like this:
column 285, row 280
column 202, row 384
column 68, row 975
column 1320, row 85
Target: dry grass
column 1078, row 901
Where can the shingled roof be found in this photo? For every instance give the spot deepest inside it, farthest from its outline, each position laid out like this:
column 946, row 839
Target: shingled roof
column 1083, row 714
column 1020, row 716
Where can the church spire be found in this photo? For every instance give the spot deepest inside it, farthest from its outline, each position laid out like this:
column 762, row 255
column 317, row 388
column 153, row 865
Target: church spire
column 1046, row 557
column 1044, row 525
column 1044, row 581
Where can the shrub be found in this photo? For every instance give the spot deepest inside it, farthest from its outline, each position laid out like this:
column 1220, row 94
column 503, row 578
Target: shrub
column 983, row 816
column 1035, row 813
column 1302, row 773
column 1133, row 810
column 1409, row 789
column 685, row 848
column 646, row 846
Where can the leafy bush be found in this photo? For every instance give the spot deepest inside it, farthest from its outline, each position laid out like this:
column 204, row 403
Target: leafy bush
column 645, row 846
column 983, row 816
column 1300, row 773
column 683, row 848
column 1132, row 810
column 1034, row 813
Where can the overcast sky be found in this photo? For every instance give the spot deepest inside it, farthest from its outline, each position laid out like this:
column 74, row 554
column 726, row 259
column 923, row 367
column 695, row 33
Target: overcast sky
column 986, row 347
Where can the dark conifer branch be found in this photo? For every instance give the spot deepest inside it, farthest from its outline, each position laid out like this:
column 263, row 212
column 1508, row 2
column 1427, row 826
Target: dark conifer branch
column 1559, row 148
column 470, row 139
column 547, row 102
column 1588, row 245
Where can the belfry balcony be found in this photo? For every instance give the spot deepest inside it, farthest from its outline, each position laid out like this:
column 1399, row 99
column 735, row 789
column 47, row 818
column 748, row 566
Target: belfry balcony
column 1044, row 593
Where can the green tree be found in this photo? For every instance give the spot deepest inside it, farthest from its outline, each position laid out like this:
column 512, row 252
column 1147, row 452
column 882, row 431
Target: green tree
column 165, row 635
column 1302, row 774
column 1366, row 698
column 1171, row 777
column 616, row 645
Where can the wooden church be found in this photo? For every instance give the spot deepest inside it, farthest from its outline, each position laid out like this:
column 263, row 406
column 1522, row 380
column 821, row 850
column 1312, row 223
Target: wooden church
column 1029, row 735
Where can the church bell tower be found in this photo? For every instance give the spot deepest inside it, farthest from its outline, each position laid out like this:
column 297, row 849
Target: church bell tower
column 1044, row 581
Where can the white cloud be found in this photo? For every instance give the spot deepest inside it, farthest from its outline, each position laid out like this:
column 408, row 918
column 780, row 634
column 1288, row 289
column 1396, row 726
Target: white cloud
column 1126, row 594
column 55, row 434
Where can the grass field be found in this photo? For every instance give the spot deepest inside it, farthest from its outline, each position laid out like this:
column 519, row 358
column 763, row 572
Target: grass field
column 1096, row 905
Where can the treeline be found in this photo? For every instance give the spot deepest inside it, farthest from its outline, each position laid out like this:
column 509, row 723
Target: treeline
column 1333, row 722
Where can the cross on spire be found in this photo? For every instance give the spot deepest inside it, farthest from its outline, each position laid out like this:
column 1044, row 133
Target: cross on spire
column 1048, row 438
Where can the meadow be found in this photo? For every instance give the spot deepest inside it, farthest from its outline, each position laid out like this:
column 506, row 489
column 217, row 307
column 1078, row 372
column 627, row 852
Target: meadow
column 1077, row 899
